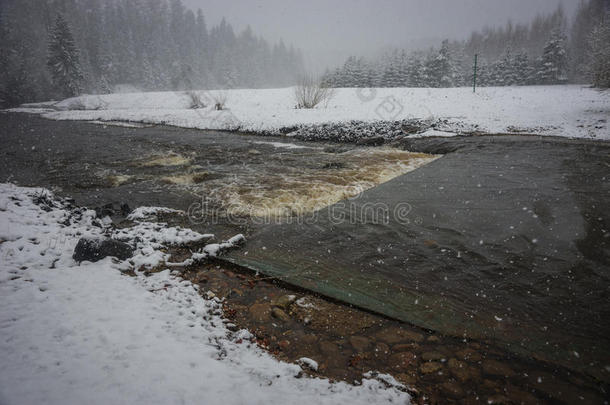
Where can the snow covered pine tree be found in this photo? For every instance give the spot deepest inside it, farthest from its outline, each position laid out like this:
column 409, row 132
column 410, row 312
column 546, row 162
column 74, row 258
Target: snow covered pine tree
column 63, row 60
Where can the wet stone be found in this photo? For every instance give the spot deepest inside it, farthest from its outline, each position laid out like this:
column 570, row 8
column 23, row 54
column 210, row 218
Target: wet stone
column 402, row 361
column 405, row 347
column 260, row 312
column 407, row 379
column 433, row 356
column 493, row 367
column 498, row 399
column 462, row 371
column 360, row 343
column 452, row 389
column 284, row 301
column 469, row 355
column 280, row 314
column 329, row 348
column 381, row 350
column 430, row 367
column 309, row 339
column 394, row 335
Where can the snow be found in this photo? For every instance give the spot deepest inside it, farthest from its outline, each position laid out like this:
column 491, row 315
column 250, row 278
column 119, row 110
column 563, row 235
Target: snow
column 146, row 212
column 73, row 334
column 285, row 145
column 563, row 110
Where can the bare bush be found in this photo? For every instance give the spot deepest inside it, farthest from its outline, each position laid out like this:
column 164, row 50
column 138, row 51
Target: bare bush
column 220, row 98
column 310, row 91
column 195, row 100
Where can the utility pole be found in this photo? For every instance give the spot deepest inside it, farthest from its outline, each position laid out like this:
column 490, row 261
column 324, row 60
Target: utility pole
column 474, row 77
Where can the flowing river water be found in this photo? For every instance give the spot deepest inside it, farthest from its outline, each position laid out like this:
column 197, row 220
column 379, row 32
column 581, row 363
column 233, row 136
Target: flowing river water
column 502, row 239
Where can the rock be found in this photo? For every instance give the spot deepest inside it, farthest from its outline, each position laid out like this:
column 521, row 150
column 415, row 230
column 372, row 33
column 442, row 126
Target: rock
column 105, row 211
column 260, row 312
column 394, row 335
column 284, row 301
column 498, row 399
column 360, row 343
column 329, row 348
column 326, row 317
column 405, row 347
column 371, row 141
column 309, row 339
column 280, row 314
column 452, row 389
column 430, row 367
column 381, row 349
column 462, row 371
column 493, row 367
column 92, row 250
column 433, row 339
column 407, row 379
column 469, row 355
column 125, row 209
column 402, row 361
column 432, row 356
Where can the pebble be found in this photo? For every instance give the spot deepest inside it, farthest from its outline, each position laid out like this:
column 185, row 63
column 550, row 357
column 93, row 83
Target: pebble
column 452, row 389
column 381, row 349
column 430, row 367
column 432, row 356
column 284, row 301
column 498, row 399
column 493, row 367
column 280, row 314
column 469, row 355
column 329, row 348
column 260, row 312
column 394, row 335
column 405, row 347
column 402, row 361
column 462, row 371
column 360, row 343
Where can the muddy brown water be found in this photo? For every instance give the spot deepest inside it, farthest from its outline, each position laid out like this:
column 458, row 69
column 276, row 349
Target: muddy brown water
column 502, row 242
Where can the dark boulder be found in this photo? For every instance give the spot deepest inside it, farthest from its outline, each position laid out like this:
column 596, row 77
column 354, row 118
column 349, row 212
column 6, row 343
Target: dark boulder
column 371, row 141
column 92, row 250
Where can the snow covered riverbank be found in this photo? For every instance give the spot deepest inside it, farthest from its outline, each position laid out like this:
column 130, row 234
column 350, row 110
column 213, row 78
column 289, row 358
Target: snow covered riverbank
column 569, row 111
column 89, row 334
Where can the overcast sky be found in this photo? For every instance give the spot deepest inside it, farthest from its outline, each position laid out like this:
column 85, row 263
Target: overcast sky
column 330, row 30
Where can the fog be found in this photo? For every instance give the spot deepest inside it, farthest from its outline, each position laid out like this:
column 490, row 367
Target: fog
column 329, row 31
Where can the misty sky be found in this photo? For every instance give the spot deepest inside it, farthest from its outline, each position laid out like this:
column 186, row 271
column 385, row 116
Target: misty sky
column 330, row 30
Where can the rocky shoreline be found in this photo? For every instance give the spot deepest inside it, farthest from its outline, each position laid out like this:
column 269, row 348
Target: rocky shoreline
column 346, row 343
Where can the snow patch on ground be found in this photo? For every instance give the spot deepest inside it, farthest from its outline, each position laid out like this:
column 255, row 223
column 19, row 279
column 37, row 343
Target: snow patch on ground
column 567, row 110
column 90, row 334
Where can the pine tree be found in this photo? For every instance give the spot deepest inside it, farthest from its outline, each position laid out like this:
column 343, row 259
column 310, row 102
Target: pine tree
column 554, row 61
column 63, row 61
column 521, row 69
column 599, row 55
column 441, row 69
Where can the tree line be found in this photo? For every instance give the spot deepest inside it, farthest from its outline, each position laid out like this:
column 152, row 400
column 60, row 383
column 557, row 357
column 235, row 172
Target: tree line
column 546, row 51
column 57, row 48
